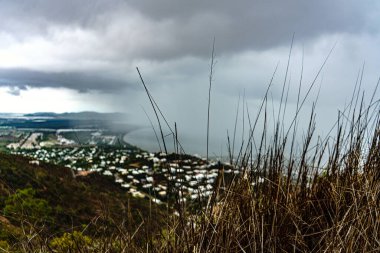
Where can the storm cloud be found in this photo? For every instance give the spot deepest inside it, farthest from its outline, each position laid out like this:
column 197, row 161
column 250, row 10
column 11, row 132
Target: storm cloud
column 82, row 81
column 96, row 44
column 165, row 29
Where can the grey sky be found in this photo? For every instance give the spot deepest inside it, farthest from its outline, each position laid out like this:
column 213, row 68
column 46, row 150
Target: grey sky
column 89, row 49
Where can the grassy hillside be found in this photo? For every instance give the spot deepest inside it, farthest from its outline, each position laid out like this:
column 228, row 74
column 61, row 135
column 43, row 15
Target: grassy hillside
column 39, row 203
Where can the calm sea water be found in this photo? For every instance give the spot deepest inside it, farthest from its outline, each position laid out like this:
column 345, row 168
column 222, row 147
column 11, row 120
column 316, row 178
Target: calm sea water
column 191, row 143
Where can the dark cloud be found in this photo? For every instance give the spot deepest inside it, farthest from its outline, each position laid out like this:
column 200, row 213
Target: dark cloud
column 256, row 24
column 28, row 17
column 173, row 28
column 16, row 90
column 170, row 28
column 18, row 79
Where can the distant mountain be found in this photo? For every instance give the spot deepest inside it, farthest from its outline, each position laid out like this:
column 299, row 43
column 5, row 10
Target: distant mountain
column 41, row 114
column 115, row 122
column 86, row 115
column 10, row 115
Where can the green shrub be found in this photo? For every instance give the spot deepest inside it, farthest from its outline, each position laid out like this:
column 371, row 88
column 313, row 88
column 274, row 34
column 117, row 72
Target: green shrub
column 24, row 206
column 4, row 246
column 71, row 242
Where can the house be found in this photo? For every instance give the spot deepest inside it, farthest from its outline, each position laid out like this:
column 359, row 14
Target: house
column 162, row 193
column 119, row 180
column 191, row 190
column 107, row 173
column 210, row 181
column 174, row 165
column 126, row 185
column 123, row 171
column 157, row 201
column 212, row 175
column 34, row 162
column 138, row 194
column 147, row 186
column 155, row 160
column 163, row 187
column 199, row 176
column 194, row 196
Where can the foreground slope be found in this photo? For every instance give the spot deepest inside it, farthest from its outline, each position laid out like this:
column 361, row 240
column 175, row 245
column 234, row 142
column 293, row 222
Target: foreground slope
column 48, row 201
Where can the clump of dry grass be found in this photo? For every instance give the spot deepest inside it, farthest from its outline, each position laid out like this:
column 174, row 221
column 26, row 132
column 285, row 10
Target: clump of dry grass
column 324, row 199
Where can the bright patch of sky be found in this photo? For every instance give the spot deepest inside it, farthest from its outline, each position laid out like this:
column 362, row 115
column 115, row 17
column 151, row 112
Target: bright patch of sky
column 58, row 100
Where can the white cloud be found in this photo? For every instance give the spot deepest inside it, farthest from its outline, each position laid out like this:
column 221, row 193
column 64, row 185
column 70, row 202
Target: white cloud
column 49, row 99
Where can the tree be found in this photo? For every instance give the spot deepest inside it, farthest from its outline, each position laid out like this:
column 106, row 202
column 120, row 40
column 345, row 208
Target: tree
column 23, row 206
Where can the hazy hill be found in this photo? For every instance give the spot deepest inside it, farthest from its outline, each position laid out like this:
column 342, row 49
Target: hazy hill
column 87, row 115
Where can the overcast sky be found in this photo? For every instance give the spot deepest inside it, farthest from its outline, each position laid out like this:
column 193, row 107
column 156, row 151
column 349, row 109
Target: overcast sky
column 81, row 55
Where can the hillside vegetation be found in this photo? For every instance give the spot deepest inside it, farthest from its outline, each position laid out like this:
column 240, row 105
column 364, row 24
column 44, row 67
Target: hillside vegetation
column 44, row 206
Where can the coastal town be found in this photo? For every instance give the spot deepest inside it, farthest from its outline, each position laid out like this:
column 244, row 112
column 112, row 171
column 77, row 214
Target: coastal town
column 86, row 149
column 152, row 175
